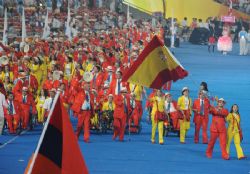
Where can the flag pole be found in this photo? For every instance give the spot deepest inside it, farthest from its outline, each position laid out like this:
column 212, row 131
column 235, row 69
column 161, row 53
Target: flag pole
column 43, row 133
column 68, row 29
column 5, row 27
column 172, row 27
column 24, row 34
column 45, row 29
column 128, row 15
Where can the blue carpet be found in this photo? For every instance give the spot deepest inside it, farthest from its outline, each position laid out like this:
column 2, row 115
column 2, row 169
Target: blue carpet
column 227, row 77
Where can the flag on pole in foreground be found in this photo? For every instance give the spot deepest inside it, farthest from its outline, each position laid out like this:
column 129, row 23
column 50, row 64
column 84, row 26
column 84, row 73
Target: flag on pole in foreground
column 58, row 151
column 155, row 66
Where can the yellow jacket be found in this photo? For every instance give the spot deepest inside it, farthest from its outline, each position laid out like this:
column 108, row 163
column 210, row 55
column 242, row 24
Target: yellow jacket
column 137, row 90
column 35, row 68
column 106, row 107
column 8, row 87
column 181, row 103
column 161, row 104
column 233, row 122
column 39, row 101
column 88, row 67
column 37, row 72
column 11, row 76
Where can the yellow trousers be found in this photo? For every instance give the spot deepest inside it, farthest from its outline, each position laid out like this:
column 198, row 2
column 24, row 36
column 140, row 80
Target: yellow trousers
column 160, row 130
column 94, row 120
column 236, row 136
column 184, row 126
column 40, row 115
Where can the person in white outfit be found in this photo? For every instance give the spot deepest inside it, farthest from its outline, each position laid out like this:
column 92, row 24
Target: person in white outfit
column 248, row 42
column 243, row 41
column 2, row 104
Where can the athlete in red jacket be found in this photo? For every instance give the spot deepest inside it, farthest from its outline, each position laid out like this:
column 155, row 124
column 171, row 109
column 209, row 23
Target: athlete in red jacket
column 122, row 105
column 12, row 113
column 201, row 112
column 27, row 104
column 83, row 106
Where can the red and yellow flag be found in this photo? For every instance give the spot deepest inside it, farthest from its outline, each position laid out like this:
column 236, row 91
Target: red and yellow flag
column 155, row 66
column 59, row 152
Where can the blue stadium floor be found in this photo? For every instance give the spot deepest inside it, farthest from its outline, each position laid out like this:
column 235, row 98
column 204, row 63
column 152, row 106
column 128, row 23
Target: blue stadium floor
column 227, row 77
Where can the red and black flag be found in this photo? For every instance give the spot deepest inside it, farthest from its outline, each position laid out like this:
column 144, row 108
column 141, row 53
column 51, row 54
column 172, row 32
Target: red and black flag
column 58, row 151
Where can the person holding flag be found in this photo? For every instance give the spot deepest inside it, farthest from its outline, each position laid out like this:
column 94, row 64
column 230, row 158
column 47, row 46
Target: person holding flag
column 138, row 92
column 158, row 101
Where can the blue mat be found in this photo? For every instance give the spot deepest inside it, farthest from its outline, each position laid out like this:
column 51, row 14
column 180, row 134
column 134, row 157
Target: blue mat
column 227, row 76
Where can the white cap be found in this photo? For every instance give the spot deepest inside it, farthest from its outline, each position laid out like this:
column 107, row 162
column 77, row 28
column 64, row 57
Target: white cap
column 124, row 89
column 167, row 93
column 109, row 68
column 25, row 88
column 222, row 99
column 184, row 89
column 106, row 85
column 94, row 90
column 53, row 90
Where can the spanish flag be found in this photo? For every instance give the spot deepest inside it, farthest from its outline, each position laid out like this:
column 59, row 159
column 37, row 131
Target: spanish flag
column 58, row 151
column 155, row 66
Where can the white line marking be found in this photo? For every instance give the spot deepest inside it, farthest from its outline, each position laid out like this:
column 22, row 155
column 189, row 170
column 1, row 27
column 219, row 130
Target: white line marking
column 11, row 140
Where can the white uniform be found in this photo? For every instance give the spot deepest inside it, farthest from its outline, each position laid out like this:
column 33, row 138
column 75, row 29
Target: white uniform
column 2, row 104
column 47, row 104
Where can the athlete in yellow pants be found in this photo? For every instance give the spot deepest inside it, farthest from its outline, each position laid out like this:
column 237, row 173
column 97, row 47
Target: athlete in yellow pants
column 184, row 106
column 160, row 130
column 158, row 104
column 40, row 99
column 184, row 127
column 233, row 120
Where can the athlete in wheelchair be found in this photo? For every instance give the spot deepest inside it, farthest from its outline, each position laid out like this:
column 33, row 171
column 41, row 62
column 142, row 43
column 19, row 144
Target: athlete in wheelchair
column 106, row 115
column 172, row 123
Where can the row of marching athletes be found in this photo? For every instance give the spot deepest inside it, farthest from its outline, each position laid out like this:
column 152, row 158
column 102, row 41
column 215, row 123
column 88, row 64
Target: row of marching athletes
column 180, row 113
column 127, row 108
column 122, row 98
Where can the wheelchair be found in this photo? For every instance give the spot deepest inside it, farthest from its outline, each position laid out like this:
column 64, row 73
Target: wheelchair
column 170, row 127
column 102, row 121
column 106, row 120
